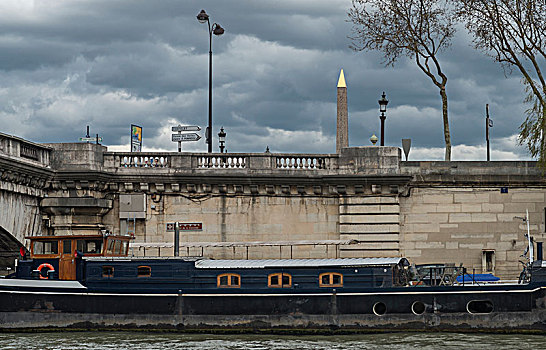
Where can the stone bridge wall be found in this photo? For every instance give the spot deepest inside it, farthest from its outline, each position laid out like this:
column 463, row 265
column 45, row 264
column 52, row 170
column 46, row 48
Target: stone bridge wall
column 431, row 212
column 459, row 211
column 24, row 173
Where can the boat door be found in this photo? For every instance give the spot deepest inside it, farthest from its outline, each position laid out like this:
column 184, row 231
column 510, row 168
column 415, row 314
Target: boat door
column 67, row 265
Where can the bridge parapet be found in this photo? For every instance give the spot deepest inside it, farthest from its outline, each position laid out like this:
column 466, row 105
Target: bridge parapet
column 24, row 151
column 354, row 160
column 24, row 174
column 493, row 172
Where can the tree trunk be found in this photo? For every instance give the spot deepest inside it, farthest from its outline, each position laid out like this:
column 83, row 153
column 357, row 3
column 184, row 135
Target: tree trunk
column 447, row 136
column 542, row 153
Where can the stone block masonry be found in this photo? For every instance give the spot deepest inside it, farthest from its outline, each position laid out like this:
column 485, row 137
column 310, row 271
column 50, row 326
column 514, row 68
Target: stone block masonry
column 464, row 224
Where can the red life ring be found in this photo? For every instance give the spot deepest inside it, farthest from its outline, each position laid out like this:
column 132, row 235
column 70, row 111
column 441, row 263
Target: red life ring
column 49, row 267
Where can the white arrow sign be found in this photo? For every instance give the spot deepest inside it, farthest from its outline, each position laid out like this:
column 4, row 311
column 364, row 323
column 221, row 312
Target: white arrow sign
column 186, row 128
column 90, row 139
column 185, row 137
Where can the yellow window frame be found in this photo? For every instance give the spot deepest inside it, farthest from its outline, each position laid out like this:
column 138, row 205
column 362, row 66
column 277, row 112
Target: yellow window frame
column 331, row 279
column 230, row 283
column 280, row 275
column 141, row 268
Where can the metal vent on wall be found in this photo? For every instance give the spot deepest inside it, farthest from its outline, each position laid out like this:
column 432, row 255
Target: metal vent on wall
column 132, row 206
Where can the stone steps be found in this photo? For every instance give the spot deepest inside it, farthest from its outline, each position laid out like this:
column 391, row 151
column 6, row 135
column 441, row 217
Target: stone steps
column 374, row 222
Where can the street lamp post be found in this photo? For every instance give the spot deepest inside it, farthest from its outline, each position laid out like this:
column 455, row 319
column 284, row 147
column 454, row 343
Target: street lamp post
column 383, row 109
column 215, row 29
column 222, row 139
column 488, row 124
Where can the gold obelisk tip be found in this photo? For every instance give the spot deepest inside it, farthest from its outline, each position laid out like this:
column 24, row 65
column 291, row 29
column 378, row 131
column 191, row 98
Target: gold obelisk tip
column 341, row 81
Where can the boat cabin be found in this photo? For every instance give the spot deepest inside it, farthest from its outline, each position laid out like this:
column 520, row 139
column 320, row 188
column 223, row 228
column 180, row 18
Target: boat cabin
column 274, row 276
column 56, row 256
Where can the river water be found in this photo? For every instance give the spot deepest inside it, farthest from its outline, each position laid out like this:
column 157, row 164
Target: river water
column 164, row 341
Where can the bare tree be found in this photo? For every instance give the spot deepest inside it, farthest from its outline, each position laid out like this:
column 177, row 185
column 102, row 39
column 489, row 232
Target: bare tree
column 513, row 33
column 418, row 29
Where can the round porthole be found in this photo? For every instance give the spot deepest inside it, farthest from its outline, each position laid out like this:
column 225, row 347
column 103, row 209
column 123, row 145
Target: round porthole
column 479, row 306
column 379, row 308
column 418, row 308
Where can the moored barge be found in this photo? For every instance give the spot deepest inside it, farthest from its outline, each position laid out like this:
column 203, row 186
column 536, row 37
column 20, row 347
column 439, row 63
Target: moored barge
column 90, row 282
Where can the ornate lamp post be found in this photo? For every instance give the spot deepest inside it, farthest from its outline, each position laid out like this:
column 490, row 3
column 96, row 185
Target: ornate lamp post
column 383, row 102
column 222, row 139
column 215, row 29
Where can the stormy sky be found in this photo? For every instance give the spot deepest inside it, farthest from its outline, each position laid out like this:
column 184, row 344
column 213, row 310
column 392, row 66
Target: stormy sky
column 65, row 64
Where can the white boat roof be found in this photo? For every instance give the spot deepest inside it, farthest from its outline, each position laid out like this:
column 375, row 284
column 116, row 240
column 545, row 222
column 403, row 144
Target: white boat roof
column 268, row 263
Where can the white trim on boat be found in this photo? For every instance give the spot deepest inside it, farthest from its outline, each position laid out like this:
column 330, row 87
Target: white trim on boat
column 379, row 293
column 35, row 283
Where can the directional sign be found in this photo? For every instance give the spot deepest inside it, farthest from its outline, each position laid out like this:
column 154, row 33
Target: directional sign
column 185, row 137
column 186, row 128
column 182, row 226
column 90, row 139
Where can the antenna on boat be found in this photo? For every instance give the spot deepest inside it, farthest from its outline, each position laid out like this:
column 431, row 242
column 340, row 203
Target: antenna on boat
column 529, row 240
column 530, row 247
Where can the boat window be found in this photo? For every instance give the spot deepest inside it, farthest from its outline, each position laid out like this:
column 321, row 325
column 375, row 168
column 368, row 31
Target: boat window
column 117, row 247
column 418, row 307
column 279, row 280
column 125, row 246
column 331, row 279
column 110, row 247
column 379, row 308
column 229, row 280
column 144, row 271
column 89, row 246
column 45, row 247
column 67, row 246
column 479, row 306
column 107, row 271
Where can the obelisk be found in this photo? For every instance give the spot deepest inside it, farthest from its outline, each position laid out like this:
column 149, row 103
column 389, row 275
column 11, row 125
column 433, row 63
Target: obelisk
column 342, row 139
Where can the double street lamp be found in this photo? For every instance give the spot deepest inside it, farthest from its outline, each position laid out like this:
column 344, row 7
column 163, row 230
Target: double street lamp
column 215, row 29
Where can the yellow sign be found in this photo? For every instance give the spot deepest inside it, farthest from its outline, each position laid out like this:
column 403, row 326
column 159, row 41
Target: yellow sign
column 136, row 138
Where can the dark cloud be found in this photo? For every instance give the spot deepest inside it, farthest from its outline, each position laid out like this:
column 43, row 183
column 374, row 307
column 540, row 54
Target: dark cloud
column 67, row 64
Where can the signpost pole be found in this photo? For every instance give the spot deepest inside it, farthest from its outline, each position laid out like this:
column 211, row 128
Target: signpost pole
column 176, row 239
column 179, row 143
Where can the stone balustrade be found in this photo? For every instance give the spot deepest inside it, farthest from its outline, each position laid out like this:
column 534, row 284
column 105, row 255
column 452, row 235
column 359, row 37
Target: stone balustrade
column 303, row 161
column 142, row 160
column 227, row 161
column 220, row 161
column 24, row 151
